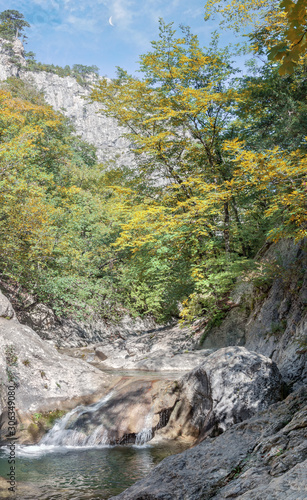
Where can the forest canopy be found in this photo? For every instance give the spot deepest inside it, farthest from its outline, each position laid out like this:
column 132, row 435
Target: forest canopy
column 220, row 169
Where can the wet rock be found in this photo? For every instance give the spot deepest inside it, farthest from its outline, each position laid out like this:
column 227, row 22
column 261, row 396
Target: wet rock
column 240, row 463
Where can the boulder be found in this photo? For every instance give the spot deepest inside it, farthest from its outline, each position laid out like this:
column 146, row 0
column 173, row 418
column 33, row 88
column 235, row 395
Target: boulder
column 271, row 317
column 231, row 385
column 6, row 308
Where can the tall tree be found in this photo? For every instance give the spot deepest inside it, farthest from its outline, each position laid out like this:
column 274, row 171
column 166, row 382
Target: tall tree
column 177, row 116
column 12, row 24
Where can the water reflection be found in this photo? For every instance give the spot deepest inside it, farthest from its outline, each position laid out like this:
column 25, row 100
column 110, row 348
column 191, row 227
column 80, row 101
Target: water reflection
column 96, row 473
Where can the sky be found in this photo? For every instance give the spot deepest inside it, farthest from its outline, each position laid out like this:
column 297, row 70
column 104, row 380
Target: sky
column 79, row 32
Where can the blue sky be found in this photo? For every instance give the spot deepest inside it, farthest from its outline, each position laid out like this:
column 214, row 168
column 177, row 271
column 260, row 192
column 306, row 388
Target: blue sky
column 78, row 31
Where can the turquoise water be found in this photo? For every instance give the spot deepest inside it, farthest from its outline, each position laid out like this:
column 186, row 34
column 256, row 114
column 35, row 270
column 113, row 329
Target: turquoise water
column 81, row 474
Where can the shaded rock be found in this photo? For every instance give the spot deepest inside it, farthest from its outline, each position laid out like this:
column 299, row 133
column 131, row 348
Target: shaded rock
column 129, row 410
column 240, row 463
column 129, row 413
column 68, row 333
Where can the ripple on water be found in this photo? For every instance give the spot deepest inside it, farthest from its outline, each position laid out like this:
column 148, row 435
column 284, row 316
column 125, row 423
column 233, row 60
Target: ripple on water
column 86, row 473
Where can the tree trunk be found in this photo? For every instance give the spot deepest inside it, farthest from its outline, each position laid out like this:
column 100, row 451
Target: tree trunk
column 226, row 227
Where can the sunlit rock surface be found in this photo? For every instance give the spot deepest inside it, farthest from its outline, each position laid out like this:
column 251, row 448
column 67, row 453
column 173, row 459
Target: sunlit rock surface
column 66, row 95
column 272, row 319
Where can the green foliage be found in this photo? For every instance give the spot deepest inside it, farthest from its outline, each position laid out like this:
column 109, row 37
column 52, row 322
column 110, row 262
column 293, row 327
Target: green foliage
column 279, row 109
column 43, row 422
column 276, row 29
column 220, row 167
column 83, row 74
column 37, row 416
column 12, row 24
column 278, row 327
column 23, row 90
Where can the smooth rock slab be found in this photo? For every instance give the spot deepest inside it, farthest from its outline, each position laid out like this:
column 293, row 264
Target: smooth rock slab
column 45, row 380
column 166, row 349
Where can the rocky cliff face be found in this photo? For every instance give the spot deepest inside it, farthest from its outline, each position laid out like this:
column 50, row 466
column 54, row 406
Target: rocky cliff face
column 69, row 97
column 271, row 318
column 8, row 50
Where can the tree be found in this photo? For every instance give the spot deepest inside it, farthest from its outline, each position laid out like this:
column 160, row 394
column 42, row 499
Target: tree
column 177, row 116
column 12, row 24
column 210, row 200
column 277, row 28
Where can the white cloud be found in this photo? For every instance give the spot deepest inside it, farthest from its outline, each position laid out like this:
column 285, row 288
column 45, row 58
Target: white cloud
column 81, row 23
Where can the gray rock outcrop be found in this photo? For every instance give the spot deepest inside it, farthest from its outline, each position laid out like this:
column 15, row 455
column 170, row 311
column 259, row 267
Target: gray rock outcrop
column 231, row 385
column 66, row 95
column 8, row 67
column 165, row 349
column 6, row 308
column 271, row 318
column 263, row 458
column 44, row 378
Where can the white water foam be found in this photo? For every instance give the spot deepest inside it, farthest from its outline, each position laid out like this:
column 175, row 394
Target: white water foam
column 63, row 437
column 59, row 436
column 145, row 434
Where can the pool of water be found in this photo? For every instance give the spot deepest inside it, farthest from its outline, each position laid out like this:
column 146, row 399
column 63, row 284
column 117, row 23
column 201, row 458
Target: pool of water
column 81, row 473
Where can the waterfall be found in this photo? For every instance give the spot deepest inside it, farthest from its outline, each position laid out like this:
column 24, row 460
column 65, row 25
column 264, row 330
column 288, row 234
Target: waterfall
column 146, row 433
column 115, row 419
column 62, row 433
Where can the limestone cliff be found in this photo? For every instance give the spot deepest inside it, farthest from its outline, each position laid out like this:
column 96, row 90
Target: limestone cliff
column 65, row 94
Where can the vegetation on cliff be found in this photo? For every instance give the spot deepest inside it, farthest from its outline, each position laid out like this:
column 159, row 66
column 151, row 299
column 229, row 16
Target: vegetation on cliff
column 221, row 168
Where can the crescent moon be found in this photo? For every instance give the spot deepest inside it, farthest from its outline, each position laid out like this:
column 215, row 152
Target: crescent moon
column 110, row 21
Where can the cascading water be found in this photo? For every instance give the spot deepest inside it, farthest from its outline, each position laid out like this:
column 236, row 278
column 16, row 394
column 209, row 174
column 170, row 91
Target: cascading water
column 77, row 459
column 62, row 433
column 84, row 426
column 145, row 434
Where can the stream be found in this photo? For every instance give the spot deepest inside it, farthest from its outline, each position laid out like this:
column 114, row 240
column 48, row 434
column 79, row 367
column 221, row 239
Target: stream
column 77, row 458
